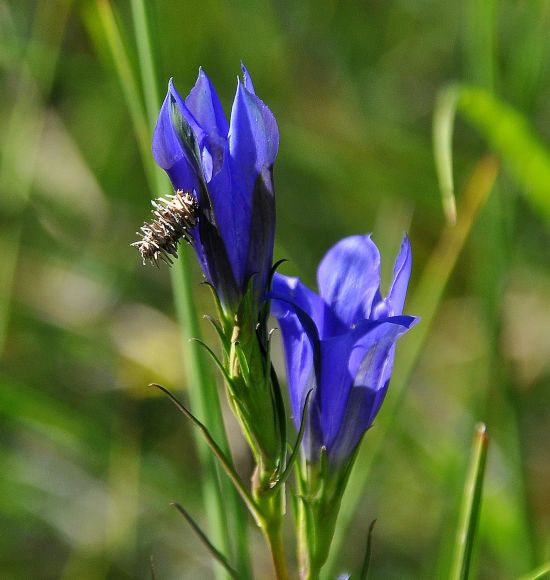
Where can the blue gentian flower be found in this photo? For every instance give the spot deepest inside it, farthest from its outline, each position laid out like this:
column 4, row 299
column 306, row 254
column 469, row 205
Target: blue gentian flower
column 228, row 168
column 341, row 342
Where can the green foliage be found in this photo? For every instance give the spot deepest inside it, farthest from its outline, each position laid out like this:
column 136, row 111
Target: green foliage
column 90, row 458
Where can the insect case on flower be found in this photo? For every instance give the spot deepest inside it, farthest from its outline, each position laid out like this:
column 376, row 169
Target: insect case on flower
column 174, row 217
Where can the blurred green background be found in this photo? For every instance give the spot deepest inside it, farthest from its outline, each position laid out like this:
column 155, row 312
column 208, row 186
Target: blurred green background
column 89, row 458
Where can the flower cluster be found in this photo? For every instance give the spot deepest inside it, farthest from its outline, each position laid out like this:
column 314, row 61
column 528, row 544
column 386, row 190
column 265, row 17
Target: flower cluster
column 339, row 344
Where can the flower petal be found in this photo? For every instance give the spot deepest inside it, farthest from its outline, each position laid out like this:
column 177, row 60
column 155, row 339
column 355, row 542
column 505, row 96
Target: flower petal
column 393, row 304
column 291, row 290
column 253, row 135
column 349, row 277
column 401, row 274
column 246, row 173
column 301, row 347
column 205, row 106
column 261, row 235
column 370, row 363
column 233, row 217
column 334, row 384
column 169, row 151
column 299, row 356
column 247, row 80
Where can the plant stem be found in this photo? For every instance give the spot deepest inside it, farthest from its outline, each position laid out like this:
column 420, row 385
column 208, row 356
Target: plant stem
column 274, row 537
column 271, row 507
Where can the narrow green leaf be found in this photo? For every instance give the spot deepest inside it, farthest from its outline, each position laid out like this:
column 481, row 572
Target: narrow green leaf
column 129, row 85
column 217, row 555
column 506, row 131
column 366, row 562
column 223, row 322
column 443, row 124
column 214, row 357
column 509, row 134
column 217, row 451
column 219, row 331
column 147, row 67
column 480, row 42
column 471, row 505
column 296, row 450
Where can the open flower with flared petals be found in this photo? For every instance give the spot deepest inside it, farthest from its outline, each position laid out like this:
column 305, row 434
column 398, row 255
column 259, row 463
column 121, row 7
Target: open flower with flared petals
column 341, row 342
column 228, row 168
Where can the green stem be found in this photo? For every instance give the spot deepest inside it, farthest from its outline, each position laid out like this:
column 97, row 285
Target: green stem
column 271, row 507
column 320, row 494
column 306, row 541
column 274, row 537
column 129, row 86
column 226, row 517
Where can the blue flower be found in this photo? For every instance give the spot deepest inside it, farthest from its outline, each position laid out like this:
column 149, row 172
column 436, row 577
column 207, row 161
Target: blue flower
column 228, row 168
column 341, row 343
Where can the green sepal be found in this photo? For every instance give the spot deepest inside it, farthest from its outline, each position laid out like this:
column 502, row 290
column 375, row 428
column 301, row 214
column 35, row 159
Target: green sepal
column 214, row 357
column 216, row 554
column 278, row 401
column 296, row 450
column 226, row 346
column 243, row 362
column 321, row 484
column 219, row 454
column 256, row 385
column 266, row 306
column 223, row 321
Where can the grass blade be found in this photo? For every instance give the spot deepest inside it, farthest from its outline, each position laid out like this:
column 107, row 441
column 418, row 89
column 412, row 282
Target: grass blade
column 366, row 561
column 129, row 85
column 443, row 124
column 510, row 136
column 542, row 572
column 471, row 505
